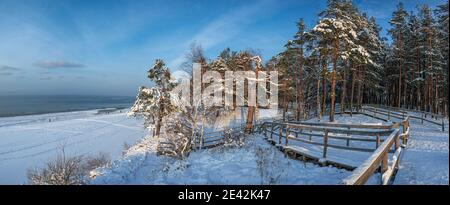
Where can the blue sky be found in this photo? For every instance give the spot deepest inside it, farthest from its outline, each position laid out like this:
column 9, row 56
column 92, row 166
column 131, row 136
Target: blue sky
column 106, row 47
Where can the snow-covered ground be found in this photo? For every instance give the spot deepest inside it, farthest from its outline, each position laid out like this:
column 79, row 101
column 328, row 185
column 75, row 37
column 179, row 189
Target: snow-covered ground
column 220, row 165
column 426, row 159
column 30, row 141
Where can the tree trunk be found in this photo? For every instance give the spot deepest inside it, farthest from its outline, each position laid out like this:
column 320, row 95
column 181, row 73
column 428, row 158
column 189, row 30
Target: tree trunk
column 353, row 91
column 284, row 101
column 251, row 109
column 319, row 109
column 360, row 86
column 400, row 75
column 344, row 90
column 158, row 125
column 333, row 79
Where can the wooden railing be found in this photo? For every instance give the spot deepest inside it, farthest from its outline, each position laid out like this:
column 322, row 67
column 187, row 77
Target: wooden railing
column 326, row 131
column 380, row 153
column 217, row 138
column 399, row 114
column 424, row 113
column 379, row 159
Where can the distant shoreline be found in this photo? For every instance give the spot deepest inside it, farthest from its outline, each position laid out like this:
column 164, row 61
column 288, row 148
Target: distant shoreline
column 57, row 112
column 14, row 106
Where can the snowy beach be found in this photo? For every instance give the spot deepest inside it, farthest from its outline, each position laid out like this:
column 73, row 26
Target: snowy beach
column 30, row 141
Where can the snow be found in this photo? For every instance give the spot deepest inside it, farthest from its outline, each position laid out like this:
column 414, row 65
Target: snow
column 424, row 161
column 30, row 141
column 221, row 165
column 426, row 158
column 228, row 165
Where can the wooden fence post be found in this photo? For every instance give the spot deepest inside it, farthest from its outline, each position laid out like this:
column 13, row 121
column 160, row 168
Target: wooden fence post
column 405, row 129
column 281, row 134
column 265, row 130
column 443, row 124
column 203, row 142
column 287, row 135
column 397, row 141
column 384, row 165
column 271, row 130
column 325, row 144
column 378, row 141
column 348, row 141
column 422, row 117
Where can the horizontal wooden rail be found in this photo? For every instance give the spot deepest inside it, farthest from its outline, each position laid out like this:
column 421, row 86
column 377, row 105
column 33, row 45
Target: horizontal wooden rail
column 422, row 118
column 410, row 110
column 378, row 159
column 387, row 108
column 384, row 112
column 345, row 125
column 337, row 130
column 380, row 153
column 335, row 136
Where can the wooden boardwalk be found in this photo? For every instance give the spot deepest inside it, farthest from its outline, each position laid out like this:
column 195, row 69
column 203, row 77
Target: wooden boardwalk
column 364, row 149
column 350, row 146
column 361, row 148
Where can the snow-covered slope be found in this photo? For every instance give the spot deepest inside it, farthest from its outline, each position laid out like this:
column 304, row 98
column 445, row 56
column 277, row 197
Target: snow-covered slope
column 28, row 141
column 425, row 161
column 221, row 165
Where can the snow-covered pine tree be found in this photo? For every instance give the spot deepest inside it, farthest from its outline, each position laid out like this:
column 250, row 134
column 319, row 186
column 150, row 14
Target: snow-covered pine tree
column 398, row 33
column 298, row 47
column 154, row 103
column 432, row 56
column 442, row 39
column 369, row 55
column 335, row 29
column 415, row 81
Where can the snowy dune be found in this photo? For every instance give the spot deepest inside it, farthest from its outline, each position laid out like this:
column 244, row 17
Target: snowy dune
column 30, row 141
column 27, row 141
column 425, row 161
column 221, row 165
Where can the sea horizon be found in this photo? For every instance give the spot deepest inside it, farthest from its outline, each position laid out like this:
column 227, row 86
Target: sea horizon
column 23, row 105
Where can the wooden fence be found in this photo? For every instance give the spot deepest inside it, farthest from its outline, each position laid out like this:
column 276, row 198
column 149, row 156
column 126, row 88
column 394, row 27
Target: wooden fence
column 387, row 139
column 327, row 131
column 378, row 160
column 399, row 114
column 424, row 113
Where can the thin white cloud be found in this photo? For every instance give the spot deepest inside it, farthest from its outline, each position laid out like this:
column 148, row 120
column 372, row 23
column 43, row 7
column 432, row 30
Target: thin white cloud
column 223, row 28
column 46, row 78
column 8, row 68
column 58, row 64
column 5, row 73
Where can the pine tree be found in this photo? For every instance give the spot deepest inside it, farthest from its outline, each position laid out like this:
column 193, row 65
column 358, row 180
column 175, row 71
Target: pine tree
column 298, row 47
column 432, row 57
column 442, row 38
column 154, row 103
column 399, row 24
column 336, row 32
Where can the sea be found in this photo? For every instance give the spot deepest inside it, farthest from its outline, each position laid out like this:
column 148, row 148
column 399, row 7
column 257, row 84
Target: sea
column 18, row 105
